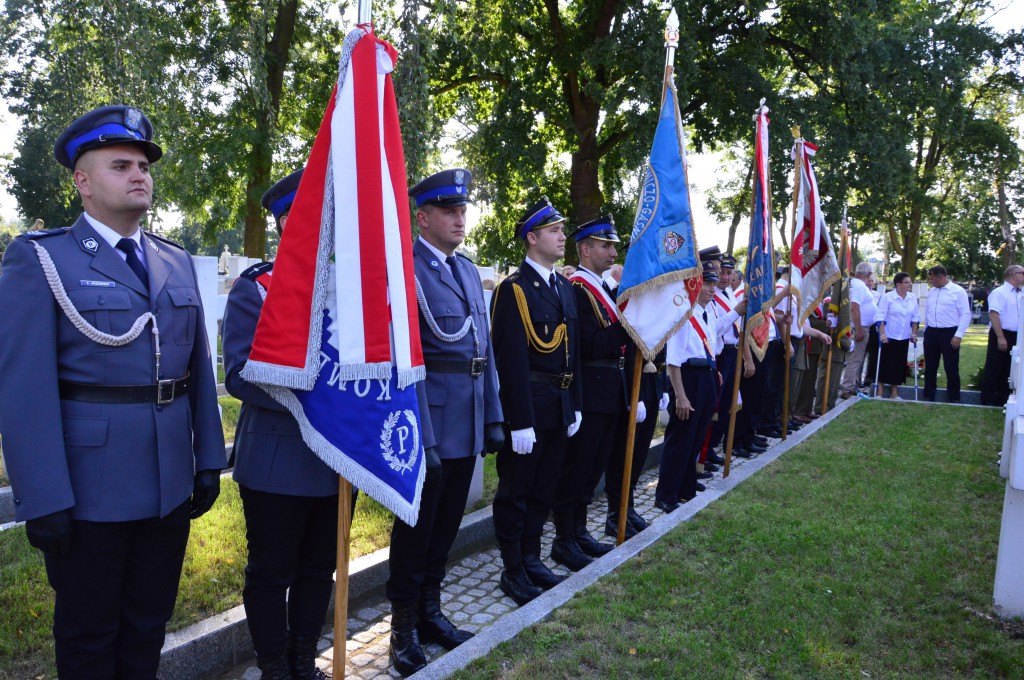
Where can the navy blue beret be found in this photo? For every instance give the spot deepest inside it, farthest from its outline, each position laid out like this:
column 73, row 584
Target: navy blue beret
column 279, row 198
column 105, row 126
column 602, row 229
column 445, row 188
column 540, row 214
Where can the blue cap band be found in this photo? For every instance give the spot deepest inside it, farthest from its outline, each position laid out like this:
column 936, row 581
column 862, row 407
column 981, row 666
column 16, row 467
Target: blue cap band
column 600, row 228
column 537, row 218
column 92, row 135
column 446, row 191
column 283, row 203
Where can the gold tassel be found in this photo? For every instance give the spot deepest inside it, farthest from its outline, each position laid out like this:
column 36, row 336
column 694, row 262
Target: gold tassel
column 649, row 367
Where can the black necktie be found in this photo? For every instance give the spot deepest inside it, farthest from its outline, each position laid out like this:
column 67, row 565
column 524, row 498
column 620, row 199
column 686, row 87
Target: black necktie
column 705, row 315
column 127, row 246
column 455, row 273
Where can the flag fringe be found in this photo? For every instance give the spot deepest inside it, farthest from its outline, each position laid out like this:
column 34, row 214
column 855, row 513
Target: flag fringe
column 809, row 309
column 657, row 282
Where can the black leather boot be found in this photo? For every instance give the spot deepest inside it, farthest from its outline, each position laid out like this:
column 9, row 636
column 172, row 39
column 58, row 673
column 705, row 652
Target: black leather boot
column 611, row 526
column 516, row 585
column 564, row 549
column 302, row 657
column 587, row 543
column 274, row 667
column 535, row 568
column 433, row 625
column 406, row 654
column 636, row 520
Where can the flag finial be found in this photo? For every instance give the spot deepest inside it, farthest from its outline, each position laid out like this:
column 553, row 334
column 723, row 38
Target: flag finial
column 796, row 131
column 672, row 29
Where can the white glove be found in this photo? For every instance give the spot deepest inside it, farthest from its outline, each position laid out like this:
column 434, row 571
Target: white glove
column 523, row 440
column 641, row 412
column 831, row 320
column 663, row 402
column 575, row 427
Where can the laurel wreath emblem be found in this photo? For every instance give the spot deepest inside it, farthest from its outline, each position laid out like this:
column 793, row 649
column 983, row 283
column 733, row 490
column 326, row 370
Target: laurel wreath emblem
column 388, row 451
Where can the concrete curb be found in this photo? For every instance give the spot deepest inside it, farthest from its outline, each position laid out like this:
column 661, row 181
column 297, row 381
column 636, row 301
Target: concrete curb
column 511, row 624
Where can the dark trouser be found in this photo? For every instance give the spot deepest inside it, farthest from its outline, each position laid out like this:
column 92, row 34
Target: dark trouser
column 292, row 554
column 872, row 353
column 419, row 554
column 526, row 490
column 727, row 366
column 938, row 342
column 774, row 368
column 617, row 462
column 677, row 477
column 748, row 419
column 115, row 592
column 586, row 456
column 995, row 387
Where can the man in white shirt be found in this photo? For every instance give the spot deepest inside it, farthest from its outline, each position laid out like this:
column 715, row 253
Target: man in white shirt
column 1002, row 336
column 863, row 309
column 947, row 316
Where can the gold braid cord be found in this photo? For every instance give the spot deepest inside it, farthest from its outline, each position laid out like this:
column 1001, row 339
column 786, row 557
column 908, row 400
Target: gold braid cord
column 593, row 303
column 560, row 335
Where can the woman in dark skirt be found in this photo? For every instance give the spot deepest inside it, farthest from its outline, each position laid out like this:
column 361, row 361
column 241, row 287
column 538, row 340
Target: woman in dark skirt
column 898, row 317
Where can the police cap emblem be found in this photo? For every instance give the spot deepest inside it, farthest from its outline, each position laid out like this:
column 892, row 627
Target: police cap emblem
column 460, row 177
column 132, row 118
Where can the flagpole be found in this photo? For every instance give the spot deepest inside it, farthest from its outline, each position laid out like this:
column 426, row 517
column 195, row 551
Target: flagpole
column 671, row 43
column 832, row 331
column 787, row 331
column 733, row 408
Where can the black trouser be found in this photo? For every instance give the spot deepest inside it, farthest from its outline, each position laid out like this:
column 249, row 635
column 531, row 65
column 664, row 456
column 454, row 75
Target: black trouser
column 774, row 367
column 677, row 477
column 526, row 490
column 419, row 554
column 586, row 457
column 995, row 388
column 748, row 419
column 617, row 462
column 727, row 367
column 938, row 342
column 872, row 352
column 115, row 592
column 292, row 556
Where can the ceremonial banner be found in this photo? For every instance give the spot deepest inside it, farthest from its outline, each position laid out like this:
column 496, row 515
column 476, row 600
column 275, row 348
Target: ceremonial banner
column 337, row 342
column 813, row 266
column 840, row 302
column 661, row 276
column 760, row 271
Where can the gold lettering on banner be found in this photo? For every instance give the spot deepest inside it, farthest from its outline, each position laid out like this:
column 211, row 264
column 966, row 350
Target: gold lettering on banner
column 678, row 300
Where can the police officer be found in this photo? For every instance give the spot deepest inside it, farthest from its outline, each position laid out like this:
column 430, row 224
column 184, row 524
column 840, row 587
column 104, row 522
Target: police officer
column 289, row 496
column 462, row 392
column 111, row 434
column 602, row 339
column 536, row 349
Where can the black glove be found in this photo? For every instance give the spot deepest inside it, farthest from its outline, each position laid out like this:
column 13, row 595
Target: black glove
column 50, row 533
column 205, row 492
column 494, row 437
column 433, row 460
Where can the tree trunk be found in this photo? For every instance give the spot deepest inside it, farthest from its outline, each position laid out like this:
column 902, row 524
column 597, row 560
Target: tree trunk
column 1010, row 249
column 911, row 239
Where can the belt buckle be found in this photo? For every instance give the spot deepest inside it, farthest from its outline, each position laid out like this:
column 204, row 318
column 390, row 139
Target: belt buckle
column 165, row 391
column 564, row 380
column 622, row 363
column 477, row 365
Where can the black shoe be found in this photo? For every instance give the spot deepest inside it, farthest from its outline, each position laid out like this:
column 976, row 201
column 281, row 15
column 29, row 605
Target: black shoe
column 564, row 548
column 666, row 507
column 711, row 467
column 539, row 574
column 701, row 487
column 434, row 626
column 704, row 475
column 516, row 585
column 715, row 458
column 794, row 426
column 741, row 453
column 761, row 441
column 302, row 657
column 587, row 543
column 769, row 432
column 274, row 667
column 636, row 520
column 611, row 526
column 754, row 448
column 406, row 654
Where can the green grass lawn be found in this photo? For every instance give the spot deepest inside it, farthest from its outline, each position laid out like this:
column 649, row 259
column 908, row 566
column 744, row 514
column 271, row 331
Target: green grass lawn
column 866, row 552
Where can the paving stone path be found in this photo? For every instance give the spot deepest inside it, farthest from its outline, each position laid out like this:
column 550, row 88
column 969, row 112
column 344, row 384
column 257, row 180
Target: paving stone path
column 471, row 597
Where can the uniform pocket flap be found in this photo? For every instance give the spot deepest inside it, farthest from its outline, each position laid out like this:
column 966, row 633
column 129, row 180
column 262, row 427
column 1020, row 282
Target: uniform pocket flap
column 85, row 431
column 90, row 300
column 183, row 297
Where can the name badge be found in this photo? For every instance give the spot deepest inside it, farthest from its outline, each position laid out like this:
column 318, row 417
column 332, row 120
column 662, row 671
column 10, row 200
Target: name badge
column 97, row 284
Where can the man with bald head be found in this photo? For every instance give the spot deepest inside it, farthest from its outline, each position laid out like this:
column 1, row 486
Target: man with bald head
column 1002, row 336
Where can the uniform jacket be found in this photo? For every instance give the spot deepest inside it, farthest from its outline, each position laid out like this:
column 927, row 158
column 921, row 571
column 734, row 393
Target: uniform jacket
column 106, row 462
column 270, row 454
column 460, row 405
column 601, row 342
column 527, row 403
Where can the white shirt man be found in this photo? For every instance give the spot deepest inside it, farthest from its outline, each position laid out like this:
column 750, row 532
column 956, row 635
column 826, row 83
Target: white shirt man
column 947, row 316
column 1004, row 317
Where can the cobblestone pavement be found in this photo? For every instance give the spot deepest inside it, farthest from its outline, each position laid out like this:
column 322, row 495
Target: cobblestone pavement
column 471, row 597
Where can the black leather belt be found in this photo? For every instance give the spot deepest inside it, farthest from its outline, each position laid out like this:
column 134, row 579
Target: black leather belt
column 607, row 363
column 702, row 364
column 163, row 392
column 474, row 367
column 733, row 345
column 560, row 380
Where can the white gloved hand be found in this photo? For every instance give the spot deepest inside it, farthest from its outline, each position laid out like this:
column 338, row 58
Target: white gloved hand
column 830, row 320
column 663, row 402
column 575, row 427
column 641, row 412
column 523, row 440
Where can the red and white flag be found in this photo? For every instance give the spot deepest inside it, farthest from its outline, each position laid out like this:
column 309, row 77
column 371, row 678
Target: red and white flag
column 813, row 265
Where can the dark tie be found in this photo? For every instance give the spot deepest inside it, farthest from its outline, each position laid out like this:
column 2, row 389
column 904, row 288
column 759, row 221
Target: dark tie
column 455, row 273
column 608, row 289
column 705, row 315
column 127, row 246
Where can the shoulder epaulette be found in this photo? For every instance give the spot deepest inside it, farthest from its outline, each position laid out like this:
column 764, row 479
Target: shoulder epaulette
column 36, row 235
column 514, row 276
column 465, row 257
column 164, row 239
column 255, row 271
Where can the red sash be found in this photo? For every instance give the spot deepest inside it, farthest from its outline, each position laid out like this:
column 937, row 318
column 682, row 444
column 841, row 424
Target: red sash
column 703, row 336
column 597, row 293
column 264, row 280
column 722, row 303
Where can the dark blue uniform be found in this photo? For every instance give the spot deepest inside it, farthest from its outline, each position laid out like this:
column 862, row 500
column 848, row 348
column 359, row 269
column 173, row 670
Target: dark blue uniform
column 125, row 471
